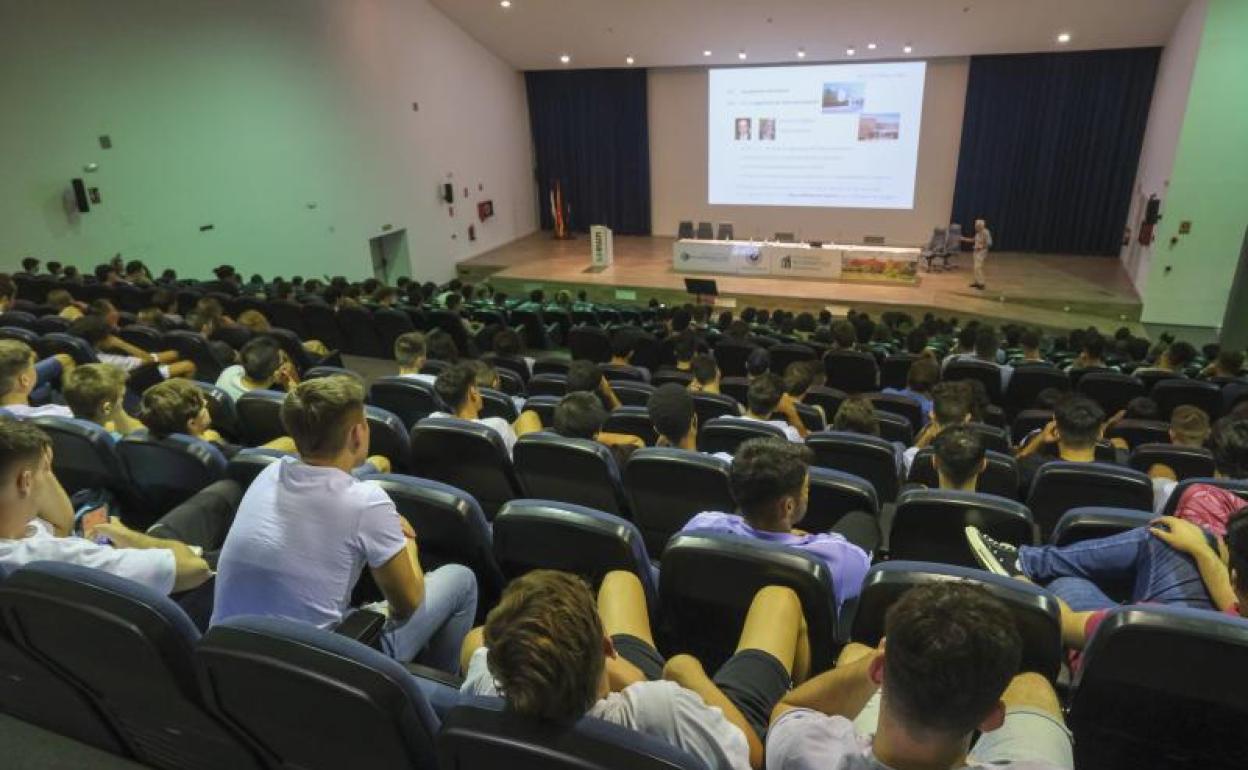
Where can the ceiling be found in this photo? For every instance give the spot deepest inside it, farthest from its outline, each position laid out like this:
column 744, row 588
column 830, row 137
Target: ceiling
column 532, row 34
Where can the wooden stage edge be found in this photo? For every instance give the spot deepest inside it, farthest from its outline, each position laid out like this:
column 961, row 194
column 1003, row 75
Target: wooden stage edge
column 1056, row 292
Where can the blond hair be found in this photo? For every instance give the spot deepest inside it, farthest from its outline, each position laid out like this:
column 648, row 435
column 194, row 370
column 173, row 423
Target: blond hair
column 318, row 414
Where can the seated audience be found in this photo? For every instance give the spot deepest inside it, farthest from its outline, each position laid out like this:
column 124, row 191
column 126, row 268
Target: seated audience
column 951, row 405
column 258, row 324
column 64, row 305
column 409, row 354
column 986, row 350
column 588, row 377
column 705, row 374
column 671, row 411
column 1078, row 424
column 950, row 672
column 457, row 387
column 306, row 528
column 1092, row 357
column 555, row 655
column 771, row 486
column 180, row 407
column 95, row 393
column 580, row 415
column 766, row 397
column 111, row 349
column 924, row 375
column 265, row 366
column 510, row 345
column 1173, row 359
column 1029, row 341
column 856, row 414
column 959, row 458
column 37, row 521
column 1228, row 365
column 800, row 377
column 20, row 375
column 623, row 343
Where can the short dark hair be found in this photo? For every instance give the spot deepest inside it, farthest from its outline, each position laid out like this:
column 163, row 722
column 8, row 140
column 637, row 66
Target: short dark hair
column 856, row 414
column 1142, row 408
column 951, row 402
column 579, row 415
column 686, row 345
column 1231, row 360
column 508, row 342
column 766, row 469
column 986, row 342
column 1229, row 443
column 764, row 393
column 758, row 362
column 705, row 369
column 952, row 650
column 923, row 375
column 168, row 406
column 454, row 383
column 844, row 334
column 961, row 452
column 624, row 342
column 916, row 341
column 800, row 376
column 671, row 410
column 1079, row 420
column 261, row 358
column 441, row 346
column 680, row 319
column 1180, row 354
column 1237, row 547
column 584, row 375
column 1029, row 339
column 409, row 348
column 30, row 264
column 92, row 328
column 20, row 441
column 1094, row 346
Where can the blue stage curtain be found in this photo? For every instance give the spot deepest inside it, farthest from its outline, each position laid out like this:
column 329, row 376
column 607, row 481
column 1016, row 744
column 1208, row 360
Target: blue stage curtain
column 1050, row 145
column 591, row 133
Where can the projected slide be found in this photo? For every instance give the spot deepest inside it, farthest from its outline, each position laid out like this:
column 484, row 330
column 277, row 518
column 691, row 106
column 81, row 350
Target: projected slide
column 836, row 135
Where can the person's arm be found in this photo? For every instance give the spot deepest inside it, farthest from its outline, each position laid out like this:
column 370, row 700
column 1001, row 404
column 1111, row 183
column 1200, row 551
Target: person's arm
column 51, row 501
column 114, row 344
column 842, row 691
column 788, row 408
column 401, row 579
column 124, row 424
column 190, row 569
column 1186, row 537
column 615, row 439
column 687, row 671
column 1046, row 437
column 926, row 435
column 608, row 395
column 528, row 422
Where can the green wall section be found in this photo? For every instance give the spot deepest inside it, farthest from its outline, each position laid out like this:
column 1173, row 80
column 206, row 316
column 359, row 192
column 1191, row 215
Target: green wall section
column 285, row 124
column 1209, row 183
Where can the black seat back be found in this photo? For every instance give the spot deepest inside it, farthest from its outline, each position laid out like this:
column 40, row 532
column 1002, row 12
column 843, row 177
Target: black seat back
column 1137, row 432
column 731, row 355
column 388, row 437
column 1060, row 486
column 260, row 416
column 667, row 487
column 359, row 333
column 869, row 457
column 896, row 370
column 84, row 457
column 390, row 324
column 321, row 323
column 725, row 434
column 590, row 343
column 787, row 352
column 167, row 472
column 708, row 406
column 632, row 392
column 407, row 398
column 929, row 524
column 570, row 470
column 1026, row 383
column 982, row 371
column 548, row 385
column 1111, row 390
column 221, row 409
column 1172, row 393
column 633, row 421
column 903, row 406
column 466, row 455
column 1187, row 462
column 851, row 371
column 834, row 494
column 192, row 346
column 144, row 337
column 999, row 478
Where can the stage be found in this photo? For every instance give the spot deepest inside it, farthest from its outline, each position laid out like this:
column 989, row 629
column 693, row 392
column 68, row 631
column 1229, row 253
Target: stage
column 1052, row 291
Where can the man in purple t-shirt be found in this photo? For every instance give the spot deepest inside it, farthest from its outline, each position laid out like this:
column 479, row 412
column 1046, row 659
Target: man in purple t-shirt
column 771, row 484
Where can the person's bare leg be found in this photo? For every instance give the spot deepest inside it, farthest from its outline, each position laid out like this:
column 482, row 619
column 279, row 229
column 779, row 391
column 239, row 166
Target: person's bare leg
column 1074, row 626
column 851, row 652
column 1032, row 690
column 623, row 610
column 801, row 659
column 472, row 642
column 773, row 625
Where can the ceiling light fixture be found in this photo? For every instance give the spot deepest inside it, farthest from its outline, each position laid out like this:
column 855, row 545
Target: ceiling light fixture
column 909, row 48
column 1064, row 37
column 505, row 3
column 801, row 53
column 565, row 58
column 741, row 55
column 870, row 46
column 629, row 60
column 850, row 51
column 707, row 52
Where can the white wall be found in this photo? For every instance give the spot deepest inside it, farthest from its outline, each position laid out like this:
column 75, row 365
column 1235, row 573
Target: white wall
column 286, row 124
column 1161, row 136
column 678, row 105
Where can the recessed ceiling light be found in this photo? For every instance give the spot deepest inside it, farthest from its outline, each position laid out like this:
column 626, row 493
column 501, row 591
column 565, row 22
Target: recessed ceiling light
column 707, row 52
column 1064, row 37
column 870, row 46
column 801, row 53
column 741, row 55
column 505, row 3
column 908, row 48
column 629, row 60
column 565, row 58
column 850, row 51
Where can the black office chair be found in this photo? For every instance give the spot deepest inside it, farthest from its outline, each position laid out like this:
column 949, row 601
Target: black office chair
column 869, row 457
column 481, row 732
column 710, row 579
column 128, row 648
column 725, row 434
column 706, row 231
column 310, row 698
column 1035, row 610
column 667, row 487
column 1060, row 486
column 851, row 371
column 166, row 472
column 685, row 229
column 1187, row 462
column 1162, row 686
column 1113, row 391
column 930, row 524
column 545, row 534
column 569, row 470
column 466, row 455
column 834, row 494
column 260, row 416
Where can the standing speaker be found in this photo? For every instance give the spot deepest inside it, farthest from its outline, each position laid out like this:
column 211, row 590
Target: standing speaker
column 448, row 193
column 80, row 196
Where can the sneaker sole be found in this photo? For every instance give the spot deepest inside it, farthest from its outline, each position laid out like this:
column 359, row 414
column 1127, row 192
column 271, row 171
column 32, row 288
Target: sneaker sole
column 982, row 554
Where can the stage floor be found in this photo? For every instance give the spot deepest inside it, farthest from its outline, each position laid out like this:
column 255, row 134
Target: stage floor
column 1058, row 292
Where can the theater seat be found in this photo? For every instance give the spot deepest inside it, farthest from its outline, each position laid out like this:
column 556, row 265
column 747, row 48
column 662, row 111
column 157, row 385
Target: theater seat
column 495, row 403
column 1111, row 390
column 1187, row 462
column 1172, row 393
column 1095, row 522
column 167, row 472
column 391, row 324
column 731, row 355
column 788, row 352
column 388, row 437
column 1136, row 432
column 545, row 534
column 895, row 428
column 834, row 494
column 313, row 699
column 1034, row 609
column 1029, row 420
column 982, row 371
column 709, row 580
column 84, row 456
column 260, row 416
column 221, row 408
column 192, row 346
column 725, row 434
column 544, row 406
column 896, row 370
column 321, row 323
column 869, row 457
column 411, row 400
column 570, row 470
column 632, row 421
column 74, row 347
column 930, row 524
column 1026, row 383
column 1060, row 486
column 899, row 405
column 852, row 371
column 667, row 487
column 359, row 333
column 1000, row 477
column 467, row 455
column 482, row 733
column 34, row 693
column 708, row 406
column 1162, row 686
column 128, row 648
column 248, row 463
column 545, row 384
column 144, row 337
column 589, row 343
column 632, row 393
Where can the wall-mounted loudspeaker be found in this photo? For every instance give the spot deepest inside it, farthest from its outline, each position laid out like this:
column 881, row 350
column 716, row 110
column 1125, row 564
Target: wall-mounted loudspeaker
column 448, row 193
column 80, row 196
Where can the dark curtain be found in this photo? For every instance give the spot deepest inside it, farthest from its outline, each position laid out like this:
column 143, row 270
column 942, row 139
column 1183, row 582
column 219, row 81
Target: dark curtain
column 591, row 133
column 1050, row 144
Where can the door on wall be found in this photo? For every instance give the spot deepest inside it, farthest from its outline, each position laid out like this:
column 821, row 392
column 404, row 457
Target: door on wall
column 389, row 255
column 1235, row 322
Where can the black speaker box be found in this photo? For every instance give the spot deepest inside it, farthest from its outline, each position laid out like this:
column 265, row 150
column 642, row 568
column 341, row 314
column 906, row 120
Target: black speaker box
column 80, row 196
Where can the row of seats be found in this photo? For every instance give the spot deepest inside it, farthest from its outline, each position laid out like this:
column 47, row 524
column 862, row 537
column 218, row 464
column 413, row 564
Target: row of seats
column 270, row 693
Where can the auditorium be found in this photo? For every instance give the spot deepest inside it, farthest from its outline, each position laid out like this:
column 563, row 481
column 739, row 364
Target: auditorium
column 624, row 385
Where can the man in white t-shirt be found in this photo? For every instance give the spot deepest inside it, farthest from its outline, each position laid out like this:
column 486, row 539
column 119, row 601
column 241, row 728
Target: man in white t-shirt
column 767, row 396
column 37, row 523
column 950, row 668
column 19, row 375
column 553, row 655
column 409, row 354
column 457, row 387
column 306, row 529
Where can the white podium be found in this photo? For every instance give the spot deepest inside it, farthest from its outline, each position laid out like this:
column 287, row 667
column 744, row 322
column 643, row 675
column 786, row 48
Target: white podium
column 601, row 247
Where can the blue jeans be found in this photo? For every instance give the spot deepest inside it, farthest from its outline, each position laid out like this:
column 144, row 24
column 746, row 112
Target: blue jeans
column 440, row 624
column 1155, row 571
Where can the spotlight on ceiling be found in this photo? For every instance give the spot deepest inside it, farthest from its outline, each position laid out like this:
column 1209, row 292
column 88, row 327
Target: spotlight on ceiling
column 565, row 58
column 1064, row 37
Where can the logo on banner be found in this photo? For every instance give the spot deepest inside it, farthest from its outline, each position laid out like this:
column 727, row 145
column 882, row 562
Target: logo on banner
column 754, row 256
column 684, row 256
column 786, row 262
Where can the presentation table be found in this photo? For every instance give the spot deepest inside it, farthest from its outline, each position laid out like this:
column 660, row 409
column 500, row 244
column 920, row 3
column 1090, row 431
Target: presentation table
column 826, row 262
